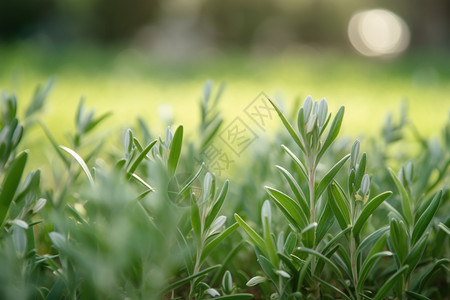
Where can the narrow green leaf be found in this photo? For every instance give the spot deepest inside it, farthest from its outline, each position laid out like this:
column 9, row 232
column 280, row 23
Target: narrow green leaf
column 437, row 265
column 128, row 142
column 137, row 144
column 291, row 206
column 301, row 123
column 328, row 178
column 142, row 181
column 38, row 99
column 444, row 228
column 338, row 206
column 332, row 287
column 255, row 237
column 384, row 290
column 370, row 239
column 256, row 280
column 81, row 162
column 57, row 291
column 211, row 133
column 333, row 133
column 290, row 243
column 288, row 126
column 195, row 218
column 368, row 209
column 406, row 200
column 143, row 194
column 270, row 245
column 75, row 214
column 296, row 160
column 360, row 171
column 19, row 238
column 326, row 220
column 218, row 203
column 140, row 158
column 321, row 264
column 425, row 218
column 30, row 188
column 175, row 150
column 58, row 240
column 54, row 144
column 231, row 254
column 343, row 259
column 287, row 261
column 309, row 235
column 227, row 283
column 191, row 181
column 416, row 253
column 97, row 121
column 209, row 247
column 188, row 278
column 11, row 182
column 367, row 267
column 268, row 268
column 324, row 258
column 394, row 212
column 331, row 242
column 413, row 295
column 399, row 239
column 301, row 199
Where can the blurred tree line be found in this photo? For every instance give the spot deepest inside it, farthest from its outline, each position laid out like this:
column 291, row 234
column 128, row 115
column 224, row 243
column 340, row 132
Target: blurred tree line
column 230, row 23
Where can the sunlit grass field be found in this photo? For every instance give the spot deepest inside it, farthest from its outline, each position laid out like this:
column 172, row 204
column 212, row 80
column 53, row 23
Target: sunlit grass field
column 130, row 83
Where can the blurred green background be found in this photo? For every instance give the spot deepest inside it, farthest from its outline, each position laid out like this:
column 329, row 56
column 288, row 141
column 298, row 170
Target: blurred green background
column 151, row 58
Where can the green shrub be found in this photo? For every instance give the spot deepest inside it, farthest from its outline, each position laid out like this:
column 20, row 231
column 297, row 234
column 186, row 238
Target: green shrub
column 153, row 223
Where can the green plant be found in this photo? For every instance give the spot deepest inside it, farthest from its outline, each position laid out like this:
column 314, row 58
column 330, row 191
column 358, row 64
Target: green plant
column 315, row 245
column 23, row 269
column 151, row 223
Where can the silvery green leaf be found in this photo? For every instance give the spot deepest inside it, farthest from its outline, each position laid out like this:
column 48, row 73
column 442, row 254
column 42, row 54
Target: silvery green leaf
column 307, row 106
column 81, row 162
column 365, row 185
column 218, row 223
column 17, row 135
column 212, row 292
column 283, row 273
column 409, row 172
column 20, row 223
column 401, row 176
column 227, row 283
column 207, row 184
column 57, row 239
column 169, row 137
column 315, row 108
column 20, row 240
column 355, row 153
column 256, row 280
column 266, row 212
column 280, row 242
column 39, row 205
column 128, row 142
column 207, row 88
column 323, row 111
column 444, row 228
column 311, row 124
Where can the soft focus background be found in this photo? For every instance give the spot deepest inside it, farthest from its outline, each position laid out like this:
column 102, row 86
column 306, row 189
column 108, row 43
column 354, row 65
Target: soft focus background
column 150, row 58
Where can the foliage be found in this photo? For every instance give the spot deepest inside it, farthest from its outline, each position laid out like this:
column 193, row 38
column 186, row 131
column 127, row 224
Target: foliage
column 151, row 223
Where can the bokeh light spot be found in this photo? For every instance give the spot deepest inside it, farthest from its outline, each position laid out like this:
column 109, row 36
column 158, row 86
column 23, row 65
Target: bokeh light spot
column 378, row 32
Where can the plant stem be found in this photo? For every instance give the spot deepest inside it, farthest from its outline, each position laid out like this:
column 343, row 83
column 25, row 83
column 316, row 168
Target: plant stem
column 353, row 259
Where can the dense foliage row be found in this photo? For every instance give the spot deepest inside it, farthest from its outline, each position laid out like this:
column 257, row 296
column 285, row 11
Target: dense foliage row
column 152, row 223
